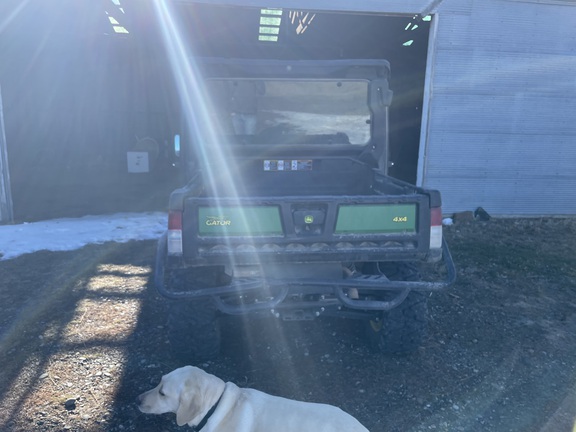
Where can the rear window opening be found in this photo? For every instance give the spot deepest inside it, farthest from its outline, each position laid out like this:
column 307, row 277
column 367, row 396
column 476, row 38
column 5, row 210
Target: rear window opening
column 291, row 112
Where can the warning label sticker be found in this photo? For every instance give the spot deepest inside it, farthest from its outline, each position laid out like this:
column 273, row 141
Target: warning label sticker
column 288, row 165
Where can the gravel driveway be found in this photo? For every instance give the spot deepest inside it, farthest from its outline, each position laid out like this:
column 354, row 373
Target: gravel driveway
column 82, row 334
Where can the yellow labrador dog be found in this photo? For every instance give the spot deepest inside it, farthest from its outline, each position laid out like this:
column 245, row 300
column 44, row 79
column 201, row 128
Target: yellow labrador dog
column 209, row 404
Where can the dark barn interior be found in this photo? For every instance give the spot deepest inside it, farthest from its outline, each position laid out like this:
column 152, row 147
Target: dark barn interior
column 85, row 82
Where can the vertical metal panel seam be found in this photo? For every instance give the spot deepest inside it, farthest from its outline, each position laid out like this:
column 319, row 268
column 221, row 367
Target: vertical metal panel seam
column 6, row 211
column 427, row 103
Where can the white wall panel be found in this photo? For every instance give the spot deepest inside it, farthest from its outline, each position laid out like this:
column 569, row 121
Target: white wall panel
column 516, row 197
column 489, row 72
column 501, row 130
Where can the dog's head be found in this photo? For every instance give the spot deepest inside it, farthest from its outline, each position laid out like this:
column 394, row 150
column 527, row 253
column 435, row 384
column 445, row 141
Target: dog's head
column 188, row 391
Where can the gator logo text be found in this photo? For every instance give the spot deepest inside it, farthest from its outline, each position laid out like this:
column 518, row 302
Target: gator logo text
column 218, row 221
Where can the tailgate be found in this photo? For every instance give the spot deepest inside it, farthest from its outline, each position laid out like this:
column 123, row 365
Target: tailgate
column 306, row 229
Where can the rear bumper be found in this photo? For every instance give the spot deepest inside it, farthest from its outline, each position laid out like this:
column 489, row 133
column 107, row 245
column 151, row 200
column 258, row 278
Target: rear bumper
column 278, row 290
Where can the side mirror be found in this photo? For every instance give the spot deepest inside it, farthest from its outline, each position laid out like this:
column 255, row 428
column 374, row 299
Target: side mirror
column 177, row 145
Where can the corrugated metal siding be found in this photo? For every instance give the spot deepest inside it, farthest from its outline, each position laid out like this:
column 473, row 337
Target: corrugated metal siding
column 501, row 129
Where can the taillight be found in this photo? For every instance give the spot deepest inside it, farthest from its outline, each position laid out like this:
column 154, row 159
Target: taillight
column 175, row 233
column 435, row 227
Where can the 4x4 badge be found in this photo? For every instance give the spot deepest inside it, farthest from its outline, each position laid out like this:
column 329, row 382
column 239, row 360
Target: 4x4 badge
column 309, row 219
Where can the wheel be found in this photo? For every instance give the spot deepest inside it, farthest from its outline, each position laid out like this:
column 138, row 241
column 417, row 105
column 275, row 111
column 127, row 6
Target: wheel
column 404, row 328
column 194, row 325
column 194, row 330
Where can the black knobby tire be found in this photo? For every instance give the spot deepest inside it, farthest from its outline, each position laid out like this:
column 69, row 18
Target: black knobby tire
column 404, row 328
column 194, row 325
column 194, row 330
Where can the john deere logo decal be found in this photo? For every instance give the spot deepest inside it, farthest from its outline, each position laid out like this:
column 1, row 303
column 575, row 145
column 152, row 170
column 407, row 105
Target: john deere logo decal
column 218, row 221
column 309, row 219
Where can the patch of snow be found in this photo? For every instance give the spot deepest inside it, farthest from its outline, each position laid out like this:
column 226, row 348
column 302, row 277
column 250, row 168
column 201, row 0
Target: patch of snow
column 73, row 233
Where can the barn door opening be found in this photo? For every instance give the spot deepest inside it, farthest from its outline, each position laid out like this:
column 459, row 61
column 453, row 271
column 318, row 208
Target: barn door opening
column 248, row 32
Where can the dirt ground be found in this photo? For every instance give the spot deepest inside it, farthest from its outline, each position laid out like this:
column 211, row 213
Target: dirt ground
column 82, row 334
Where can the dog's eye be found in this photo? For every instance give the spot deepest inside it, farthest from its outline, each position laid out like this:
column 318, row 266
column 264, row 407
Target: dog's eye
column 161, row 393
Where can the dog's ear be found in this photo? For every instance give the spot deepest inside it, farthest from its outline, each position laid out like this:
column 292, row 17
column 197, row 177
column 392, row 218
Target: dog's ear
column 189, row 407
column 198, row 391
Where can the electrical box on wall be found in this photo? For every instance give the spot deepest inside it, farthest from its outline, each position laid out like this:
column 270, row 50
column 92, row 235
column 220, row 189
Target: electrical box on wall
column 138, row 162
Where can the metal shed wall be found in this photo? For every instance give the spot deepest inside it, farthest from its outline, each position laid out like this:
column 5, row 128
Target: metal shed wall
column 501, row 105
